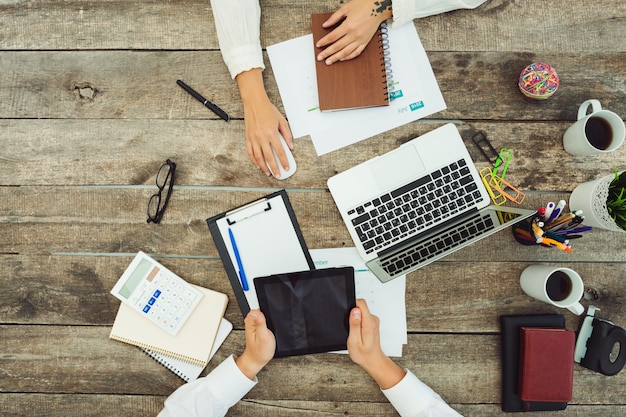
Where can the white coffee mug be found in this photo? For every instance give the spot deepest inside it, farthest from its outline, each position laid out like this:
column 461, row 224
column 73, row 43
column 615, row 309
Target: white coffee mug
column 599, row 132
column 561, row 287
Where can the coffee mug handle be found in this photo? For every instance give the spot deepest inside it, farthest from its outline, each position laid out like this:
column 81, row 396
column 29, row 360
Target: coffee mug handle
column 595, row 107
column 577, row 309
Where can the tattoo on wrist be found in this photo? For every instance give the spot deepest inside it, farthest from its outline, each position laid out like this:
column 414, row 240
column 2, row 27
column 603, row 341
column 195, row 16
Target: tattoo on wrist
column 381, row 6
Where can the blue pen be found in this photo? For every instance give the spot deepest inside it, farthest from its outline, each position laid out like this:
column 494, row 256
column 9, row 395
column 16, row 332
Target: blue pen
column 242, row 274
column 557, row 211
column 575, row 231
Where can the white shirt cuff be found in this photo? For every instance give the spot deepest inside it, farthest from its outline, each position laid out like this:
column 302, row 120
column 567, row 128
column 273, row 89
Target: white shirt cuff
column 228, row 383
column 243, row 59
column 213, row 394
column 406, row 10
column 411, row 397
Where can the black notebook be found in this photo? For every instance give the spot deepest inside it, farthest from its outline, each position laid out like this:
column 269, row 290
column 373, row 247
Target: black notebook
column 510, row 327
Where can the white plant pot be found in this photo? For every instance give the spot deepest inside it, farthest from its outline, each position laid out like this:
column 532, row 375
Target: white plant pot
column 590, row 197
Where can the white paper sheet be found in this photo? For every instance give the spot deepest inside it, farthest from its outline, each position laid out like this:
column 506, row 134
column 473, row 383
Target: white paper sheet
column 384, row 300
column 283, row 255
column 415, row 88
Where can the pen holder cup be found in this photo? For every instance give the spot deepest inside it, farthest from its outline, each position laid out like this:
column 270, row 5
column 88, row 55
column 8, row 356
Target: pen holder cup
column 523, row 232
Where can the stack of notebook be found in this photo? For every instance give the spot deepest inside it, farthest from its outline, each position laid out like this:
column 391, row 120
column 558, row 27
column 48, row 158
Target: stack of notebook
column 187, row 353
column 537, row 362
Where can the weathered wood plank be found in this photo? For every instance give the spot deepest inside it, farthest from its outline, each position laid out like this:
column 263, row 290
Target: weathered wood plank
column 131, row 85
column 212, row 153
column 55, row 359
column 80, row 405
column 447, row 296
column 48, row 220
column 495, row 26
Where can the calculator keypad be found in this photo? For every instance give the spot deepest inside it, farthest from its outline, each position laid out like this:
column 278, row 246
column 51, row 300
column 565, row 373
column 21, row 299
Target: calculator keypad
column 166, row 299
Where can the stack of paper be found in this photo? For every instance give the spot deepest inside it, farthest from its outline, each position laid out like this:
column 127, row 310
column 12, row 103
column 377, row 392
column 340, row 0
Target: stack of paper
column 414, row 92
column 384, row 300
column 186, row 370
column 194, row 342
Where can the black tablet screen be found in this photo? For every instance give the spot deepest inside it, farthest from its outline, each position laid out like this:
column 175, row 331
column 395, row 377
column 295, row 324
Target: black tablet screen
column 308, row 311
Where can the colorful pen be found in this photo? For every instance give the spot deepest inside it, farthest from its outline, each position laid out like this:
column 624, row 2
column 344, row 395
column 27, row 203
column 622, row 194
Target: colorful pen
column 551, row 242
column 556, row 212
column 548, row 212
column 574, row 231
column 541, row 212
column 242, row 274
column 558, row 238
column 211, row 106
column 561, row 220
column 537, row 231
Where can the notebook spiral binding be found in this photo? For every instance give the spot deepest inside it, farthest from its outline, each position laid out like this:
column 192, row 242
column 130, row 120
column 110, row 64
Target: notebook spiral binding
column 383, row 42
column 162, row 361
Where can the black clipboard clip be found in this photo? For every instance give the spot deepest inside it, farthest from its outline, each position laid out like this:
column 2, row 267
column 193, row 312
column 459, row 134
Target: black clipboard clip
column 486, row 148
column 247, row 211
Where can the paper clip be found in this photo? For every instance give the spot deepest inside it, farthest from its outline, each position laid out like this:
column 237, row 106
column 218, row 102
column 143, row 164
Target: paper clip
column 485, row 147
column 506, row 189
column 486, row 175
column 502, row 162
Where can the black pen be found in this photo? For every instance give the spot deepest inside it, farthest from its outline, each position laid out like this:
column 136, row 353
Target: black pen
column 211, row 106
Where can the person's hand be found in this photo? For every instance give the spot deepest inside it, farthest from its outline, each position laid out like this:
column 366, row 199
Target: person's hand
column 260, row 345
column 365, row 350
column 263, row 121
column 361, row 19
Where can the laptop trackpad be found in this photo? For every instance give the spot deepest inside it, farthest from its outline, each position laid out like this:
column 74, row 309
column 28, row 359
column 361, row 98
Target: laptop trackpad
column 397, row 167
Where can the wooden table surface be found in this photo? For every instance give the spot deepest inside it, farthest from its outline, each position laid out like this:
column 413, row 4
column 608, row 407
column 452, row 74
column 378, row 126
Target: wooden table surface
column 89, row 110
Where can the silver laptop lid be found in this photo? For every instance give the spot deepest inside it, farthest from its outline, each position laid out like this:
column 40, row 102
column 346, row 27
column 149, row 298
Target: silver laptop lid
column 354, row 189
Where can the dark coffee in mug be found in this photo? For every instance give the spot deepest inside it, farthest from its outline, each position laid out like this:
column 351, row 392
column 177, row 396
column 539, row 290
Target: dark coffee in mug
column 558, row 286
column 599, row 132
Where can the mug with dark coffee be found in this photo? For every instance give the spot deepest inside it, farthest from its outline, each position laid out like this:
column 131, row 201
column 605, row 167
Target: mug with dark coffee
column 561, row 287
column 598, row 132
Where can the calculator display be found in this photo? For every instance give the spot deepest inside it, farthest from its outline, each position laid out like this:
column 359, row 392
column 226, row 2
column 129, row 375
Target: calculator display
column 135, row 278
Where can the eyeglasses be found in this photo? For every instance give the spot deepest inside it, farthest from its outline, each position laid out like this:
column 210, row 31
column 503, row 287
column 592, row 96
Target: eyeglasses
column 164, row 178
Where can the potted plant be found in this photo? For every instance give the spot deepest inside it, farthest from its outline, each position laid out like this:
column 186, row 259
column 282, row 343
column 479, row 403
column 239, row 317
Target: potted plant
column 616, row 201
column 603, row 202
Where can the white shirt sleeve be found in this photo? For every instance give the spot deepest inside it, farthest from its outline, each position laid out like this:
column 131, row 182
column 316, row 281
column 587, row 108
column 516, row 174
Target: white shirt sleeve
column 405, row 10
column 238, row 25
column 210, row 396
column 412, row 398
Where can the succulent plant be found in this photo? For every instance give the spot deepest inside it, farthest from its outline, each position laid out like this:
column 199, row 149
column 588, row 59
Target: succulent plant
column 616, row 201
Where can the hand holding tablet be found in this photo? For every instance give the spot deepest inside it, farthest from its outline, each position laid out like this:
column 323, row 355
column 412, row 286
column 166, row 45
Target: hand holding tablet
column 308, row 311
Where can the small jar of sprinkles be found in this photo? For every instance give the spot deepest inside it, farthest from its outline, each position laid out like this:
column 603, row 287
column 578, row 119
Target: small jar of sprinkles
column 538, row 81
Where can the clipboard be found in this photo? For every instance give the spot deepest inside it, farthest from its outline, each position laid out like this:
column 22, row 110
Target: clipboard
column 268, row 239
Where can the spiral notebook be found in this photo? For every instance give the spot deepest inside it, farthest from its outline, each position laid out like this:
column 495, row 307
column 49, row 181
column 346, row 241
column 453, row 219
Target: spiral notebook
column 194, row 341
column 187, row 370
column 356, row 83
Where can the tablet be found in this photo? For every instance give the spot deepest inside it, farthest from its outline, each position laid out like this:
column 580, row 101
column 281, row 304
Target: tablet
column 308, row 311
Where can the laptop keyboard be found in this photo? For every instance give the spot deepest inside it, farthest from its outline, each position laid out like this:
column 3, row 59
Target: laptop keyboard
column 416, row 206
column 447, row 239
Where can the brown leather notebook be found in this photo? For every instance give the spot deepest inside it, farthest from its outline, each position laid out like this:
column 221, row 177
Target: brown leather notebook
column 359, row 82
column 546, row 364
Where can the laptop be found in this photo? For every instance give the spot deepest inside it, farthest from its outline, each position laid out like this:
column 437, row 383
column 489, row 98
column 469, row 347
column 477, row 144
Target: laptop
column 417, row 203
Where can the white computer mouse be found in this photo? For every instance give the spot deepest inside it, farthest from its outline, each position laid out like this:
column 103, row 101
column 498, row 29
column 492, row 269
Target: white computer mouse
column 292, row 162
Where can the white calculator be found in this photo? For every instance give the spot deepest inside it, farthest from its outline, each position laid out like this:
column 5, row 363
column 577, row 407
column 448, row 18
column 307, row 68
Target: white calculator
column 157, row 293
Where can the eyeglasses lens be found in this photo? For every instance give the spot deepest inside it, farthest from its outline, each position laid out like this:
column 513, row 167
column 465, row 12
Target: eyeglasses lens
column 154, row 205
column 163, row 176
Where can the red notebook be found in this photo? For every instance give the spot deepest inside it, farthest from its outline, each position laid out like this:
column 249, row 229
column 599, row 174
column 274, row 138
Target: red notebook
column 546, row 370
